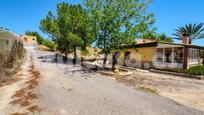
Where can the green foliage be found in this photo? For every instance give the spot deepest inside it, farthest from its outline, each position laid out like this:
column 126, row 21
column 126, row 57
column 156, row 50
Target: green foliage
column 154, row 36
column 49, row 26
column 163, row 37
column 118, row 22
column 196, row 70
column 194, row 31
column 149, row 35
column 40, row 39
column 69, row 28
column 50, row 44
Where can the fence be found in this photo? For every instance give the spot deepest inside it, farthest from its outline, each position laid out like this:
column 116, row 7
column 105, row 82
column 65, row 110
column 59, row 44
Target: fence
column 11, row 51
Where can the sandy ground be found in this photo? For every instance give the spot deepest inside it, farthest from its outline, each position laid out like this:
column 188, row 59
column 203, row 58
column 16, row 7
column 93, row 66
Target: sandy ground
column 18, row 95
column 183, row 90
column 64, row 89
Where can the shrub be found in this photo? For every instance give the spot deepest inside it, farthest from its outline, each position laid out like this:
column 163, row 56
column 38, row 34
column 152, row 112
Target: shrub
column 50, row 44
column 196, row 70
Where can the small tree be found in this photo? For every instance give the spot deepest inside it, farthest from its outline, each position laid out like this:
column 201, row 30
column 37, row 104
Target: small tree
column 118, row 22
column 69, row 28
column 163, row 37
column 151, row 35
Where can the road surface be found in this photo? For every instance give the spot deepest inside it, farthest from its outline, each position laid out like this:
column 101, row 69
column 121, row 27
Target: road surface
column 64, row 89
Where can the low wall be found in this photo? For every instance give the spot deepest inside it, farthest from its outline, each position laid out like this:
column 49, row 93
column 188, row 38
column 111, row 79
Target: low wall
column 11, row 53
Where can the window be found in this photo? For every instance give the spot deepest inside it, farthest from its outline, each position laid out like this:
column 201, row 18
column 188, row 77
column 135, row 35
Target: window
column 193, row 55
column 159, row 55
column 178, row 55
column 170, row 55
column 25, row 39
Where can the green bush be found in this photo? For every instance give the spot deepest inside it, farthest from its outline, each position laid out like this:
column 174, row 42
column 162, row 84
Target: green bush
column 196, row 70
column 50, row 44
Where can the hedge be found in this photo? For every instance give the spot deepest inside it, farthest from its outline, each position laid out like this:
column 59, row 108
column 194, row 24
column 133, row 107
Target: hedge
column 196, row 70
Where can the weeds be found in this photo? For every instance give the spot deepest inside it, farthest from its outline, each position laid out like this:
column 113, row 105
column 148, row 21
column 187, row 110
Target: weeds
column 34, row 108
column 148, row 89
column 25, row 96
column 17, row 113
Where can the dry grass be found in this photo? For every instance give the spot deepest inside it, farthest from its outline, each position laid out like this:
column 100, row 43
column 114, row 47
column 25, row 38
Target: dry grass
column 139, row 83
column 32, row 96
column 33, row 82
column 148, row 89
column 17, row 113
column 10, row 81
column 19, row 93
column 15, row 78
column 30, row 86
column 21, row 101
column 25, row 96
column 34, row 108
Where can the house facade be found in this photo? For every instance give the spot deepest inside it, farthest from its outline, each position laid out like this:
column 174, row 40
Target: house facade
column 30, row 42
column 159, row 55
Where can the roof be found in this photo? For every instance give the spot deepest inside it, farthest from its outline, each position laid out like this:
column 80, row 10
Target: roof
column 154, row 43
column 185, row 45
column 28, row 36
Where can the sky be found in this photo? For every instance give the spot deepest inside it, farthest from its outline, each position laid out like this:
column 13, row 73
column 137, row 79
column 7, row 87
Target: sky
column 22, row 15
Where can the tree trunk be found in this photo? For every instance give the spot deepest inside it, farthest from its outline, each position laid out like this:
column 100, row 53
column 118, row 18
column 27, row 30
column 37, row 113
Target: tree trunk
column 203, row 57
column 105, row 59
column 124, row 63
column 66, row 56
column 114, row 61
column 56, row 56
column 75, row 55
column 115, row 64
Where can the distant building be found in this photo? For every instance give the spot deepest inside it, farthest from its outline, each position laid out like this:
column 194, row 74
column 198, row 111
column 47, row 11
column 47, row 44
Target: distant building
column 30, row 42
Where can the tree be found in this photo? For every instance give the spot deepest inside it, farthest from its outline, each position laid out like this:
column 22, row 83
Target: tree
column 69, row 28
column 151, row 35
column 50, row 44
column 163, row 37
column 40, row 39
column 194, row 31
column 118, row 22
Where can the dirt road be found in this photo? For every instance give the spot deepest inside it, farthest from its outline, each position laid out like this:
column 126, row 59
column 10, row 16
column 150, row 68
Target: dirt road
column 64, row 89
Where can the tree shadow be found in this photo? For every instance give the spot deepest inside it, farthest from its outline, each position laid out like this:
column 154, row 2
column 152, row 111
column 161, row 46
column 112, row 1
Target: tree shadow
column 60, row 59
column 81, row 72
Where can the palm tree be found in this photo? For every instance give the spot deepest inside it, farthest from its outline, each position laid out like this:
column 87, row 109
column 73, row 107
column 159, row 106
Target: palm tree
column 194, row 31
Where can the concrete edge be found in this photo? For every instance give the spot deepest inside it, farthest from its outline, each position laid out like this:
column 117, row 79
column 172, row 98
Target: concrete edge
column 177, row 74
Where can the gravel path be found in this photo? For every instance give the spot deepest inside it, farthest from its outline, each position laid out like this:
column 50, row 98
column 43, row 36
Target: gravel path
column 67, row 90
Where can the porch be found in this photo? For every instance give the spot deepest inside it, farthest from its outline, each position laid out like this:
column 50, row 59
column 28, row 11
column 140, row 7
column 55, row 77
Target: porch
column 169, row 56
